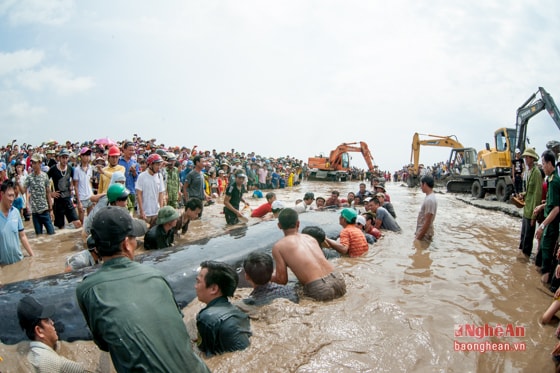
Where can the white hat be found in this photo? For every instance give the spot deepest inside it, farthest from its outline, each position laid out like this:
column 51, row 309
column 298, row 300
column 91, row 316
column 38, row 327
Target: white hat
column 360, row 220
column 277, row 205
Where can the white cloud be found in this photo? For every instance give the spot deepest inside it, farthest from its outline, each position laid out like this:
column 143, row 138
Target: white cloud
column 56, row 79
column 20, row 60
column 23, row 110
column 47, row 12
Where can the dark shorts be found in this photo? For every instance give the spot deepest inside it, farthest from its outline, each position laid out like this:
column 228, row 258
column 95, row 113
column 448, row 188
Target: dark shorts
column 330, row 287
column 231, row 218
column 64, row 207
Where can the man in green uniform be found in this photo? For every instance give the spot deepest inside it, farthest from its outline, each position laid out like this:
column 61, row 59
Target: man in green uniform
column 129, row 307
column 532, row 198
column 547, row 232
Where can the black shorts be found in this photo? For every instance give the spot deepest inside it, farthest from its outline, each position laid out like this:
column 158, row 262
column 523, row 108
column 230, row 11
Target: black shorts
column 64, row 207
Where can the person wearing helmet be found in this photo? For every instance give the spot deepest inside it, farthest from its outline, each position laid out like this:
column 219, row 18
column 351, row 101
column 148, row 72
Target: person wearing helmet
column 150, row 189
column 162, row 234
column 103, row 201
column 107, row 171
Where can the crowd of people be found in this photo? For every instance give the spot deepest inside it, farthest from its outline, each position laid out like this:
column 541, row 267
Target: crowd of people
column 125, row 193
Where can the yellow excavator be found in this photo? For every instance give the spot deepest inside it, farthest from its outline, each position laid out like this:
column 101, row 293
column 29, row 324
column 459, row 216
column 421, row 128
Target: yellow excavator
column 433, row 140
column 492, row 170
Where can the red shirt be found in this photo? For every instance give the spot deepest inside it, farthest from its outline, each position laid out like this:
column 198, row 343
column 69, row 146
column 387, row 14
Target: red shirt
column 262, row 210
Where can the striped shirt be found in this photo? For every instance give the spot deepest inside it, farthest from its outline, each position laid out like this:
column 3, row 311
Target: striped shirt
column 354, row 239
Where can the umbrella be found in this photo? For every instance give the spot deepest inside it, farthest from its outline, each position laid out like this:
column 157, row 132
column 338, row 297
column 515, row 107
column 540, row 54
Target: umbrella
column 105, row 142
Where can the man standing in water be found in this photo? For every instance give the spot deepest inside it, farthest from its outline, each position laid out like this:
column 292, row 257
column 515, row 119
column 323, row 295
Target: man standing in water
column 532, row 198
column 302, row 254
column 547, row 232
column 427, row 214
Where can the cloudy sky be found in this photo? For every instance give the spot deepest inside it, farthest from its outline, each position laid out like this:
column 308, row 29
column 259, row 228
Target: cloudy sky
column 278, row 78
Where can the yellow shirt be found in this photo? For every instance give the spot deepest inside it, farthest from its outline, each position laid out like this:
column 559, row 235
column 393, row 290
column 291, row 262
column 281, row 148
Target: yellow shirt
column 105, row 177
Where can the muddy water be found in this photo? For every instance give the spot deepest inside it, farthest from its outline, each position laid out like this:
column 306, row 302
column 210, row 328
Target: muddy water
column 403, row 305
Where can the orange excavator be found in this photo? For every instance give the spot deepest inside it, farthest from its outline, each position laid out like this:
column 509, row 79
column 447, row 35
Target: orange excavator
column 337, row 165
column 433, row 140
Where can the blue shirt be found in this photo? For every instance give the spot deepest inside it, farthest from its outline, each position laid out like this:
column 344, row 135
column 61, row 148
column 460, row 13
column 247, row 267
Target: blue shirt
column 10, row 226
column 130, row 180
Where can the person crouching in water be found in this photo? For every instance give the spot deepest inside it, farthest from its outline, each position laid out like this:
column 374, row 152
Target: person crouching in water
column 162, row 234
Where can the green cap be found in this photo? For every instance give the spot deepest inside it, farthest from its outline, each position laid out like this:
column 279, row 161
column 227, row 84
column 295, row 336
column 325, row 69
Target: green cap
column 167, row 214
column 349, row 215
column 117, row 191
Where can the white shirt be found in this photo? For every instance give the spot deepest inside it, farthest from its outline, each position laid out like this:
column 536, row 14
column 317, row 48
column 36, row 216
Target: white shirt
column 84, row 182
column 45, row 360
column 151, row 186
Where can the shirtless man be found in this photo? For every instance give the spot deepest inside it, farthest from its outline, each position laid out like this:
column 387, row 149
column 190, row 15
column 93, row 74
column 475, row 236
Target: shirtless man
column 303, row 255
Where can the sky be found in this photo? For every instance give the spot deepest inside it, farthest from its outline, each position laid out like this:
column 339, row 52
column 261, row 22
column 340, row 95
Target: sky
column 278, row 78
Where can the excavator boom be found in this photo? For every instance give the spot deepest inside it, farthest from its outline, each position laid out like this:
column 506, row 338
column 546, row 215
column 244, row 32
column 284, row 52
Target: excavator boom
column 433, row 140
column 339, row 160
column 529, row 109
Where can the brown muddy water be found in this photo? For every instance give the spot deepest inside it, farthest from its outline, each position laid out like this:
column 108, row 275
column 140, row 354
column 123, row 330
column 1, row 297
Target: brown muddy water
column 403, row 309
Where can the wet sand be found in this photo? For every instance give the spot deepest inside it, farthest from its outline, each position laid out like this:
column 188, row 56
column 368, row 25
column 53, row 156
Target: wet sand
column 402, row 309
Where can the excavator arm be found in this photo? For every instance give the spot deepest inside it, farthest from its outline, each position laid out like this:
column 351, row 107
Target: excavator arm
column 434, row 140
column 529, row 109
column 336, row 155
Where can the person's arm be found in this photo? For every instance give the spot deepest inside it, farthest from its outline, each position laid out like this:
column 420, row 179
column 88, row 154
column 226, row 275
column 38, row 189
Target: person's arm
column 161, row 199
column 140, row 204
column 428, row 218
column 378, row 223
column 25, row 243
column 337, row 245
column 185, row 193
column 551, row 216
column 78, row 202
column 280, row 274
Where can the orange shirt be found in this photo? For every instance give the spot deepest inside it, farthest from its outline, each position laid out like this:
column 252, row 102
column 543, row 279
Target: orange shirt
column 354, row 239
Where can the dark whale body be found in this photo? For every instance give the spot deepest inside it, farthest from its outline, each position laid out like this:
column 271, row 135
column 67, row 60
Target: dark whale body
column 178, row 264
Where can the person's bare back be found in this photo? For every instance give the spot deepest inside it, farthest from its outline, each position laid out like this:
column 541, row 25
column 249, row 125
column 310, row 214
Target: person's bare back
column 302, row 254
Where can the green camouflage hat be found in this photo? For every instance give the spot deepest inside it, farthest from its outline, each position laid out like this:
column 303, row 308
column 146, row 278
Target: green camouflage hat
column 167, row 214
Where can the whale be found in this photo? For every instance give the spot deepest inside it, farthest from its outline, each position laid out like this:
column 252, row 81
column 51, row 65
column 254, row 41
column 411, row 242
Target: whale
column 178, row 264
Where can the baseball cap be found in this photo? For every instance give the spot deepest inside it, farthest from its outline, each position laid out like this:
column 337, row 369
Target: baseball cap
column 277, row 206
column 240, row 175
column 349, row 214
column 30, row 311
column 517, row 150
column 37, row 157
column 309, row 195
column 380, row 194
column 85, row 151
column 64, row 152
column 111, row 225
column 167, row 214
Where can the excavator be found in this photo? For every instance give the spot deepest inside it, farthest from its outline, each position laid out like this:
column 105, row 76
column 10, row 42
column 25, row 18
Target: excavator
column 434, row 140
column 493, row 170
column 337, row 165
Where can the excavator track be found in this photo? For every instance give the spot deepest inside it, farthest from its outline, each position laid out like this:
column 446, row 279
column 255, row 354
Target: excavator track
column 459, row 186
